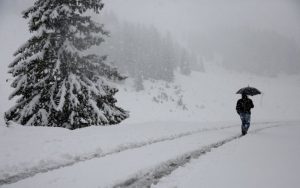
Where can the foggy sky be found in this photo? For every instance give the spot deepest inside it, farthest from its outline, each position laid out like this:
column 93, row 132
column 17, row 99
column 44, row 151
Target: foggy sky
column 185, row 18
column 181, row 17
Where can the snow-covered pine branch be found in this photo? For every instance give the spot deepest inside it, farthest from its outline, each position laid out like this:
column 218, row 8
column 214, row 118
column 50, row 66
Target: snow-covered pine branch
column 57, row 82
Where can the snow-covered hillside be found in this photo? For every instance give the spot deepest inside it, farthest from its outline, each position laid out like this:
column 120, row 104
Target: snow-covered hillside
column 210, row 96
column 203, row 97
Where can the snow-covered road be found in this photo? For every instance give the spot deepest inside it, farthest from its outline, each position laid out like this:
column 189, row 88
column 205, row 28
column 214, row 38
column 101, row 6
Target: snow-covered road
column 268, row 158
column 38, row 150
column 145, row 164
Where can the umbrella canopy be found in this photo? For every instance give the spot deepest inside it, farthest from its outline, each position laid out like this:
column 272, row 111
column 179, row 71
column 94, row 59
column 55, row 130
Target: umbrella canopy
column 248, row 91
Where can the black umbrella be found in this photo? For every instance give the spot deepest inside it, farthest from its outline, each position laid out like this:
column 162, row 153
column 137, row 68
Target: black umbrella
column 248, row 91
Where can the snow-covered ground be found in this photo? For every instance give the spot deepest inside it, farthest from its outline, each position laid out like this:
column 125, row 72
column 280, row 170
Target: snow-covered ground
column 210, row 96
column 36, row 149
column 170, row 154
column 269, row 158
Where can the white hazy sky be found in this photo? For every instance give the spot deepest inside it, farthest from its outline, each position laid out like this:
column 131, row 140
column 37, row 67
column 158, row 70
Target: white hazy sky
column 180, row 17
column 184, row 16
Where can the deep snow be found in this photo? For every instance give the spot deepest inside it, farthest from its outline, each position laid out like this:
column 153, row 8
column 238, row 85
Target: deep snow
column 138, row 155
column 269, row 158
column 271, row 148
column 37, row 149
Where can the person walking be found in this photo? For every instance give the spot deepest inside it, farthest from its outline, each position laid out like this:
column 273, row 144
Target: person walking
column 243, row 108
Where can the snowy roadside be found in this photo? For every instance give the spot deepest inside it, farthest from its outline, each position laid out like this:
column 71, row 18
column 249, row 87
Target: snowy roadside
column 268, row 158
column 25, row 151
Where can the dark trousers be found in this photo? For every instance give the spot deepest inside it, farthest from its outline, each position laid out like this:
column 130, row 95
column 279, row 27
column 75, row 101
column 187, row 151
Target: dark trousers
column 245, row 117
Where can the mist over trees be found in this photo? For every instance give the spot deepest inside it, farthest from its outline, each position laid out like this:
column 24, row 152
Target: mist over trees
column 261, row 52
column 143, row 52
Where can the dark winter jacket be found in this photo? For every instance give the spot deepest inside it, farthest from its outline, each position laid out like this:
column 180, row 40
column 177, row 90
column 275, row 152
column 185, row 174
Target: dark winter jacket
column 244, row 105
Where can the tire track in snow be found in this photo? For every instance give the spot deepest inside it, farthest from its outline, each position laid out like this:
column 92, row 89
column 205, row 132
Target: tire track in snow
column 36, row 170
column 153, row 176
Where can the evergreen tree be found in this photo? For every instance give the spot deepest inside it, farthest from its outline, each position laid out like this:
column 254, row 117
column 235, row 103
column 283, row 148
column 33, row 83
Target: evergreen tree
column 57, row 82
column 185, row 64
column 168, row 59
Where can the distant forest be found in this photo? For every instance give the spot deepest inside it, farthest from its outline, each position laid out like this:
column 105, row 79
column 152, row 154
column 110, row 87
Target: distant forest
column 264, row 52
column 142, row 52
